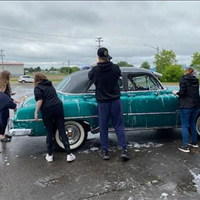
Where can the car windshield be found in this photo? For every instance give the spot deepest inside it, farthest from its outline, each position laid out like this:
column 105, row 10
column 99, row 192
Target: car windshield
column 62, row 83
column 74, row 83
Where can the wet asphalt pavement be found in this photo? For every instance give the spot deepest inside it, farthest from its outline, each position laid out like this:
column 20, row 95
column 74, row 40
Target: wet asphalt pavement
column 157, row 170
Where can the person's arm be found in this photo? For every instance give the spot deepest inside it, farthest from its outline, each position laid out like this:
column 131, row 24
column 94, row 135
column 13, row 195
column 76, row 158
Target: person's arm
column 38, row 106
column 91, row 74
column 16, row 101
column 119, row 71
column 183, row 88
column 39, row 100
column 10, row 104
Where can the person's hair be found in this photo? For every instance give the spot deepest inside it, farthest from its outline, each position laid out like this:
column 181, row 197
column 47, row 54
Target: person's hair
column 189, row 70
column 39, row 76
column 2, row 86
column 104, row 59
column 5, row 77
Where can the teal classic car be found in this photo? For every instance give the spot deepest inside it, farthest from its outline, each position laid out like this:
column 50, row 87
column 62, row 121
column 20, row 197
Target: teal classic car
column 146, row 105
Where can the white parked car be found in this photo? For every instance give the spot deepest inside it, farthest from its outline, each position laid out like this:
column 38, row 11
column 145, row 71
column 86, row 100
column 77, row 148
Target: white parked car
column 25, row 79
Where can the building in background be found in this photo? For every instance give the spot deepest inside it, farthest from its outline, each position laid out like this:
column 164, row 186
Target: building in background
column 16, row 69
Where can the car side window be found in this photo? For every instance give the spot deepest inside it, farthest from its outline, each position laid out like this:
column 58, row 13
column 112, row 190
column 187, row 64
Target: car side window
column 92, row 88
column 141, row 82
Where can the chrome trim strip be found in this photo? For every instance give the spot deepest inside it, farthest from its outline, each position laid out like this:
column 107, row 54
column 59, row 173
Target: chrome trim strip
column 80, row 117
column 125, row 92
column 27, row 120
column 145, row 128
column 96, row 116
column 19, row 132
column 156, row 113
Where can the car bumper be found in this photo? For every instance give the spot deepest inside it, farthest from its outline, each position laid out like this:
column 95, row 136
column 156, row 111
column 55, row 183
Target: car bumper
column 19, row 132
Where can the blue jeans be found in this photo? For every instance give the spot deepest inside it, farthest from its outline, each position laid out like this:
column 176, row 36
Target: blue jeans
column 114, row 110
column 188, row 119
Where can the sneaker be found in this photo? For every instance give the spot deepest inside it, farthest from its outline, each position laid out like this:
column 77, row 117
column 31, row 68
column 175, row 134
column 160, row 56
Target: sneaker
column 49, row 158
column 71, row 157
column 194, row 144
column 125, row 155
column 9, row 136
column 184, row 149
column 5, row 139
column 104, row 154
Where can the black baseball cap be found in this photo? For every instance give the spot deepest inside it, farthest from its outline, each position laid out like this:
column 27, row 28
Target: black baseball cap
column 103, row 53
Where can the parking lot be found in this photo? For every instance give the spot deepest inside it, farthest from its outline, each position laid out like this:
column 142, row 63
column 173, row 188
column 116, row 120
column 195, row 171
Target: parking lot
column 157, row 170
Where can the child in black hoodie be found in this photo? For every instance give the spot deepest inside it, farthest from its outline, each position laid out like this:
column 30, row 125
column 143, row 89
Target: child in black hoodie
column 51, row 108
column 6, row 103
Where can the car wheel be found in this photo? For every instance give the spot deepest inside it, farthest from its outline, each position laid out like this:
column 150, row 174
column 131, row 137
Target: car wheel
column 23, row 82
column 198, row 125
column 75, row 133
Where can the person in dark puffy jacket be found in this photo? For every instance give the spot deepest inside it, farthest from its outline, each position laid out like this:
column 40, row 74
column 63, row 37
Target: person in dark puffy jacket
column 189, row 107
column 6, row 104
column 105, row 76
column 51, row 108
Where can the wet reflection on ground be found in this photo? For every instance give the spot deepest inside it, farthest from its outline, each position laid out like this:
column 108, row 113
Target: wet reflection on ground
column 157, row 170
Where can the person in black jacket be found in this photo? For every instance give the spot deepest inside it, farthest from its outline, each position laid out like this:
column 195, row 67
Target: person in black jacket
column 105, row 76
column 189, row 107
column 6, row 103
column 51, row 108
column 5, row 77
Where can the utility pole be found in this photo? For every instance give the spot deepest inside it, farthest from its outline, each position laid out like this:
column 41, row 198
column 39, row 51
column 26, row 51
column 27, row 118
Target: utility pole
column 99, row 40
column 156, row 48
column 2, row 55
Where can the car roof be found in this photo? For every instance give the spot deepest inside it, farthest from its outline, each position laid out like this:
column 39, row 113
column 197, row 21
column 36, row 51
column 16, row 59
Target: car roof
column 79, row 79
column 123, row 69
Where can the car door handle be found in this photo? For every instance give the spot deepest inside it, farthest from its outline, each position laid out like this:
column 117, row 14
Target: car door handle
column 156, row 93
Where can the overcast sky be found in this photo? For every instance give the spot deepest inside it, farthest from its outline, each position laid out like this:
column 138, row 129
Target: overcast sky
column 53, row 33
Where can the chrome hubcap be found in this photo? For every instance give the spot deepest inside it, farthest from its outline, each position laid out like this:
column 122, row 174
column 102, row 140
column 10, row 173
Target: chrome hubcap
column 73, row 133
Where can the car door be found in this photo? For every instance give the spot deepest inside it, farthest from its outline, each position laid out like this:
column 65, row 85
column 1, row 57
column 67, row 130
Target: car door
column 91, row 103
column 149, row 105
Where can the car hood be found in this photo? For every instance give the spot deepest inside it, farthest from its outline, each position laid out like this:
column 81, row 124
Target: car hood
column 171, row 88
column 30, row 101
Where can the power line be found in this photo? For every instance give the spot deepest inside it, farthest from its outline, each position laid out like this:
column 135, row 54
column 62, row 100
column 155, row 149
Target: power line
column 47, row 34
column 43, row 41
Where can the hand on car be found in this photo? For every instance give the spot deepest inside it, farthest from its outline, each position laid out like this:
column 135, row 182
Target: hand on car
column 174, row 92
column 36, row 116
column 17, row 101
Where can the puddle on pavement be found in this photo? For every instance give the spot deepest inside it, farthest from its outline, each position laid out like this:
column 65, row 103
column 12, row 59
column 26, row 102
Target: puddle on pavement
column 48, row 181
column 186, row 185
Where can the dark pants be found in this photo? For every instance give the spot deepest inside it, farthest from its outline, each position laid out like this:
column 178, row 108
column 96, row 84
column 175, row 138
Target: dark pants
column 4, row 115
column 54, row 119
column 114, row 110
column 188, row 118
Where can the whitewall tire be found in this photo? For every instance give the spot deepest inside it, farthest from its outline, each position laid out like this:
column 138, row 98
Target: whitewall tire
column 76, row 135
